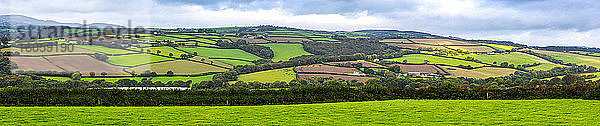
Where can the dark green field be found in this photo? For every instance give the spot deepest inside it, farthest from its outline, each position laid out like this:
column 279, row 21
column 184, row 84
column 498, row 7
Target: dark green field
column 395, row 112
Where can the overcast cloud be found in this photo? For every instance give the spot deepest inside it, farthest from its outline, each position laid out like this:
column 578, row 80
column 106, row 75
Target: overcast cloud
column 536, row 22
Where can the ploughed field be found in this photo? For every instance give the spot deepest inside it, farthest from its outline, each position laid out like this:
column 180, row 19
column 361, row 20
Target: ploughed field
column 393, row 112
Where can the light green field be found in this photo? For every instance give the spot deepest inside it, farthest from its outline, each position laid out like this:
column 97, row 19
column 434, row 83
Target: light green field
column 164, row 51
column 160, row 38
column 516, row 58
column 197, row 79
column 221, row 53
column 284, row 75
column 234, row 62
column 499, row 47
column 586, row 74
column 323, row 39
column 585, row 53
column 546, row 66
column 394, row 112
column 291, row 36
column 204, row 40
column 135, row 59
column 179, row 67
column 420, row 58
column 106, row 50
column 573, row 58
column 286, row 51
column 206, row 36
column 181, row 36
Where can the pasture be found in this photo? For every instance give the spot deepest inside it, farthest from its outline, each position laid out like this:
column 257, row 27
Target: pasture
column 179, row 67
column 221, row 53
column 516, row 58
column 210, row 61
column 105, row 50
column 393, row 112
column 287, row 39
column 323, row 39
column 417, row 46
column 321, row 68
column 284, row 75
column 479, row 73
column 473, row 48
column 135, row 59
column 546, row 66
column 499, row 47
column 573, row 58
column 441, row 42
column 286, row 51
column 420, row 59
column 249, row 40
column 234, row 62
column 164, row 51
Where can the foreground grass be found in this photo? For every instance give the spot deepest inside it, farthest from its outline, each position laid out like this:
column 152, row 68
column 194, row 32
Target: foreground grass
column 408, row 112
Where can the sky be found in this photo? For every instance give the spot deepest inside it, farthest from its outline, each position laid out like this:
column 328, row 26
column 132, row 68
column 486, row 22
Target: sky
column 531, row 22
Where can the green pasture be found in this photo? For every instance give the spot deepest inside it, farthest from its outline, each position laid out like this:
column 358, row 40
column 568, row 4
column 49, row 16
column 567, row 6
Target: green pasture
column 286, row 51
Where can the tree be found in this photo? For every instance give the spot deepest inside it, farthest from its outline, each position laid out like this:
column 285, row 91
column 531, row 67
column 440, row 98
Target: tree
column 92, row 74
column 170, row 54
column 395, row 68
column 170, row 73
column 404, row 61
column 76, row 76
column 148, row 51
column 103, row 73
column 158, row 51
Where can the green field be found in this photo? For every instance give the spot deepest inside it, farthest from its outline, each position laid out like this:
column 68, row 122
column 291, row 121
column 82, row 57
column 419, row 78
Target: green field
column 164, row 51
column 234, row 62
column 197, row 79
column 135, row 59
column 394, row 112
column 178, row 67
column 323, row 39
column 106, row 50
column 573, row 58
column 546, row 66
column 515, row 58
column 284, row 75
column 204, row 40
column 499, row 47
column 221, row 53
column 286, row 51
column 420, row 58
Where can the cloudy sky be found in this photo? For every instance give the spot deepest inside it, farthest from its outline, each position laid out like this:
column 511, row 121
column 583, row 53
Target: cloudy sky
column 533, row 22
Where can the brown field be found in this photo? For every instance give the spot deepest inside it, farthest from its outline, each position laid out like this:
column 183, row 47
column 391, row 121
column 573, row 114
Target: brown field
column 479, row 73
column 248, row 40
column 76, row 50
column 396, row 41
column 179, row 67
column 343, row 77
column 417, row 46
column 364, row 64
column 441, row 42
column 206, row 60
column 473, row 48
column 419, row 68
column 321, row 68
column 85, row 64
column 33, row 64
column 285, row 39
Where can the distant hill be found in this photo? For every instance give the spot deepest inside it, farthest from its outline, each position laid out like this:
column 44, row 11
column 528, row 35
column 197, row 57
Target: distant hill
column 21, row 20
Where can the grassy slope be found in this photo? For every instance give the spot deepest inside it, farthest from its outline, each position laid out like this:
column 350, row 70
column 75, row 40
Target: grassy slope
column 134, row 59
column 103, row 49
column 179, row 67
column 221, row 53
column 395, row 112
column 573, row 58
column 419, row 58
column 286, row 51
column 285, row 75
column 234, row 62
column 480, row 73
column 164, row 51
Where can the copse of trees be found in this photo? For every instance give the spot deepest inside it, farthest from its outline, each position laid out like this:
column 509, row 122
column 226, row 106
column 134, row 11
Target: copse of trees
column 258, row 50
column 349, row 47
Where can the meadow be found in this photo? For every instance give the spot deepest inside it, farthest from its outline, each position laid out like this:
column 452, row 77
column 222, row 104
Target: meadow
column 135, row 59
column 178, row 67
column 286, row 51
column 285, row 75
column 479, row 73
column 573, row 58
column 221, row 53
column 164, row 51
column 420, row 59
column 233, row 62
column 394, row 112
column 103, row 49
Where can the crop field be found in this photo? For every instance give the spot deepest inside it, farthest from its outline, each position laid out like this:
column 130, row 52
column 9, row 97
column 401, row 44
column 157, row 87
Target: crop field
column 286, row 51
column 135, row 59
column 164, row 51
column 419, row 68
column 249, row 40
column 106, row 50
column 210, row 61
column 420, row 59
column 480, row 73
column 287, row 39
column 473, row 48
column 33, row 64
column 284, row 75
column 441, row 42
column 234, row 62
column 417, row 46
column 573, row 58
column 321, row 68
column 85, row 64
column 221, row 53
column 393, row 112
column 396, row 41
column 343, row 77
column 56, row 50
column 499, row 47
column 179, row 67
column 363, row 63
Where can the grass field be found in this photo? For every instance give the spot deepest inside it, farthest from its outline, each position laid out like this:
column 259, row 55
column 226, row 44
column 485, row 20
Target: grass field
column 234, row 62
column 222, row 53
column 420, row 58
column 417, row 46
column 394, row 112
column 164, row 51
column 103, row 49
column 516, row 58
column 546, row 66
column 135, row 59
column 287, row 39
column 583, row 74
column 209, row 61
column 573, row 58
column 473, row 48
column 499, row 47
column 323, row 39
column 480, row 73
column 441, row 42
column 204, row 40
column 286, row 51
column 179, row 67
column 285, row 75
